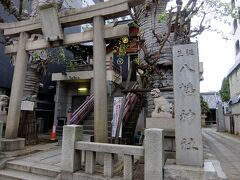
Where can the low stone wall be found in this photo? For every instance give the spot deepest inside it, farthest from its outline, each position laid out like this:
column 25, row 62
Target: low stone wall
column 74, row 168
column 168, row 124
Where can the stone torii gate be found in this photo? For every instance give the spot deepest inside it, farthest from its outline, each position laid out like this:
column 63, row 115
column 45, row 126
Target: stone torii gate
column 50, row 23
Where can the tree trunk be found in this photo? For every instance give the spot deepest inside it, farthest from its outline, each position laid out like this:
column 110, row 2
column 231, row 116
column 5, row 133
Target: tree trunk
column 147, row 16
column 28, row 122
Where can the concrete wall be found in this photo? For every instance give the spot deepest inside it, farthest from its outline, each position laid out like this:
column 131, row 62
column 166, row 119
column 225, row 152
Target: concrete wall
column 236, row 116
column 64, row 93
column 72, row 90
column 227, row 123
column 234, row 80
column 236, row 124
column 60, row 101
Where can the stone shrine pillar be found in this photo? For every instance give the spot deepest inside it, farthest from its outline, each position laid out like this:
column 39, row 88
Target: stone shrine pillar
column 220, row 118
column 189, row 146
column 17, row 89
column 100, row 81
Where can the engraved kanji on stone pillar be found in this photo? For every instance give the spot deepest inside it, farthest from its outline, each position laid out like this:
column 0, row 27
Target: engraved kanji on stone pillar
column 189, row 147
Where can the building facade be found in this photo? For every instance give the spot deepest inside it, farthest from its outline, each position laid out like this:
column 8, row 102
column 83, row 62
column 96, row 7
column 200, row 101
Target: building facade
column 232, row 114
column 212, row 99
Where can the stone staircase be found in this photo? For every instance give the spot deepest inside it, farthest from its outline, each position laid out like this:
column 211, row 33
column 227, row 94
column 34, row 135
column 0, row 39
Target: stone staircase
column 45, row 164
column 128, row 130
column 88, row 123
column 130, row 126
column 23, row 170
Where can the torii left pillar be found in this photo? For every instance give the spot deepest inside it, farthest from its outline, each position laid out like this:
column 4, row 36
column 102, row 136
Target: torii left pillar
column 100, row 82
column 12, row 142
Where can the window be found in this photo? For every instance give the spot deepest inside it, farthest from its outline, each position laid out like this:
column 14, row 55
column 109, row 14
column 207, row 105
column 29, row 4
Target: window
column 235, row 25
column 233, row 3
column 238, row 15
column 237, row 49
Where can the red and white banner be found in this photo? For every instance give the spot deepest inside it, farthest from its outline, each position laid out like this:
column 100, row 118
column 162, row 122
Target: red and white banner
column 116, row 112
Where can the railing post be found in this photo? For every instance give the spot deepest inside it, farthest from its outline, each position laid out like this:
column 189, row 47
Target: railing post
column 108, row 165
column 153, row 157
column 1, row 131
column 71, row 158
column 128, row 167
column 90, row 162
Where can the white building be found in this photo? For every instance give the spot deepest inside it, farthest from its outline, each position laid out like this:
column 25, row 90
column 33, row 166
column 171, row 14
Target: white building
column 232, row 119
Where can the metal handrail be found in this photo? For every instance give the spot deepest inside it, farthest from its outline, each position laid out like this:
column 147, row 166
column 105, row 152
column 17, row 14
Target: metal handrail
column 130, row 104
column 80, row 113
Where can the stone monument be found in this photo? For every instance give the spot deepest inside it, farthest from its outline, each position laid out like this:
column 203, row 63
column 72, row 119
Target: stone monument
column 220, row 118
column 189, row 163
column 189, row 147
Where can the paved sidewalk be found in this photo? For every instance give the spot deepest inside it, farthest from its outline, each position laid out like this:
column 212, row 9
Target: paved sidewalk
column 226, row 149
column 49, row 158
column 30, row 149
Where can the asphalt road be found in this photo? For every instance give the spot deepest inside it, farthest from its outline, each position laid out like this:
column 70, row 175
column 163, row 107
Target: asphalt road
column 226, row 149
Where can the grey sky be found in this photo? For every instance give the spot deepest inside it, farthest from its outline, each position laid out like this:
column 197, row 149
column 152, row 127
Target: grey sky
column 217, row 56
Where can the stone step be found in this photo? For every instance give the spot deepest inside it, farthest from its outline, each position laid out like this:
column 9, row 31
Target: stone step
column 88, row 122
column 91, row 127
column 91, row 122
column 88, row 127
column 11, row 174
column 90, row 132
column 34, row 168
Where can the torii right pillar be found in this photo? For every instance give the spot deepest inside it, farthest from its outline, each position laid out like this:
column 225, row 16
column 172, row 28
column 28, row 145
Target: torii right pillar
column 189, row 146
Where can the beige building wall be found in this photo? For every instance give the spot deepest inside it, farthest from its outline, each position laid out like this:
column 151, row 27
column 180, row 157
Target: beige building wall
column 234, row 77
column 227, row 123
column 234, row 81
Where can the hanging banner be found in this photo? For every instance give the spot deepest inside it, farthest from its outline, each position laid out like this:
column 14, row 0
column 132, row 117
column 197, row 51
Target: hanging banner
column 116, row 112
